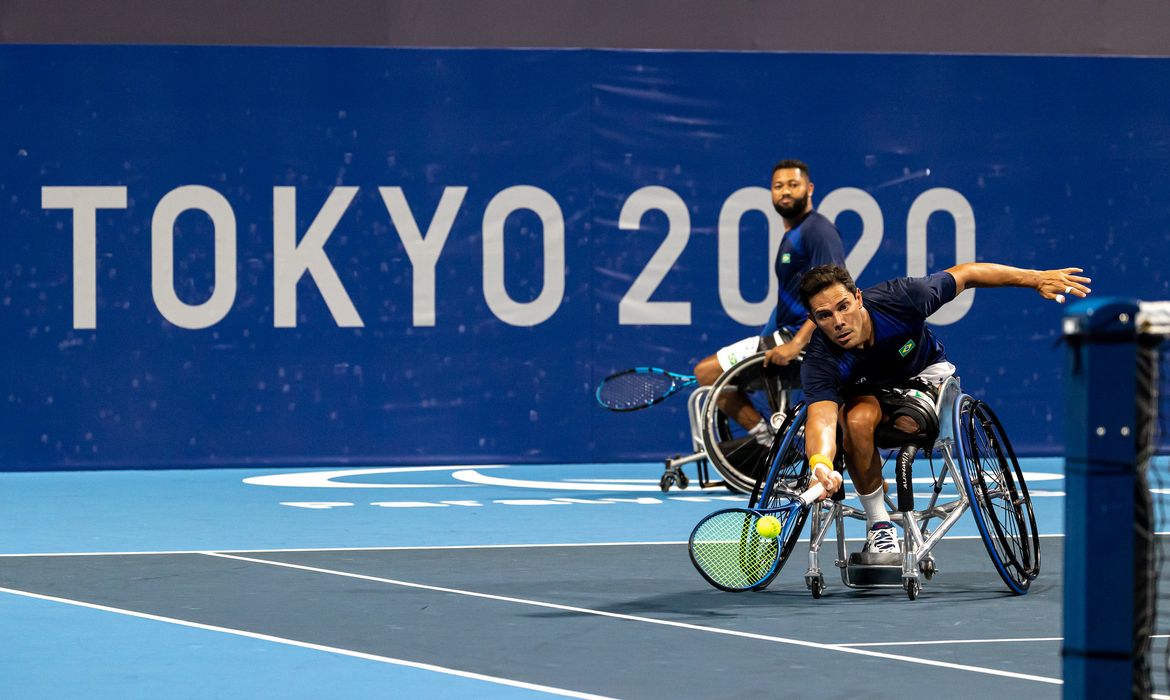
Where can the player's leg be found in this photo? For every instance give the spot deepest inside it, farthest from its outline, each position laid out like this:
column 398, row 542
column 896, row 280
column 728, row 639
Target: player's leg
column 733, row 403
column 708, row 370
column 860, row 417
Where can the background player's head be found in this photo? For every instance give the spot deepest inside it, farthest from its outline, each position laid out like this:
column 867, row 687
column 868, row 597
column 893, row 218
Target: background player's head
column 792, row 188
column 833, row 302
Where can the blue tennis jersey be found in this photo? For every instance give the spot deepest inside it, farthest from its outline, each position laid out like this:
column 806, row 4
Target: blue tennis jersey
column 903, row 345
column 814, row 241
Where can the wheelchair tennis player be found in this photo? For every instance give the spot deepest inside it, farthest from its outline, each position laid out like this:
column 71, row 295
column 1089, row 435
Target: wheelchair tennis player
column 873, row 365
column 809, row 240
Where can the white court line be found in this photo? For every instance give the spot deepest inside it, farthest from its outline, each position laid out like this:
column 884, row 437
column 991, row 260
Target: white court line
column 1005, row 640
column 403, row 548
column 616, row 481
column 952, row 641
column 407, row 548
column 650, row 620
column 317, row 647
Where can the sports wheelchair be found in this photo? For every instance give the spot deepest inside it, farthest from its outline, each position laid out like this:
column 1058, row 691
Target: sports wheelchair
column 718, row 441
column 976, row 457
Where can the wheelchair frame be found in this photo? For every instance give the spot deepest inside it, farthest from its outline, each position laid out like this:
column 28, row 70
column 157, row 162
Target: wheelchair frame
column 969, row 476
column 703, row 423
column 672, row 473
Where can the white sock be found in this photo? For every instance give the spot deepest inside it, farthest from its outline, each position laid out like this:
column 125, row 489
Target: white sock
column 875, row 506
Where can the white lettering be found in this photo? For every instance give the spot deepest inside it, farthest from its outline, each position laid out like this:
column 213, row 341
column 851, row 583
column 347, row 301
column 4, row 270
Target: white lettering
column 423, row 252
column 162, row 256
column 730, row 217
column 636, row 307
column 292, row 260
column 552, row 222
column 872, row 224
column 84, row 201
column 941, row 199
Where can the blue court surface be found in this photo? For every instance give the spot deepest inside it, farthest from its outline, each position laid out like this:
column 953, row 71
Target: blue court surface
column 471, row 581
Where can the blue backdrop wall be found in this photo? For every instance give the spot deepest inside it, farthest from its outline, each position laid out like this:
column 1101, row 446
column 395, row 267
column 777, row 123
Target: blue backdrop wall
column 222, row 256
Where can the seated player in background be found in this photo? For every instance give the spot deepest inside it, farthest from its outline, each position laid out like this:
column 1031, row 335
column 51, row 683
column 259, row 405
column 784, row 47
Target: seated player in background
column 871, row 352
column 809, row 240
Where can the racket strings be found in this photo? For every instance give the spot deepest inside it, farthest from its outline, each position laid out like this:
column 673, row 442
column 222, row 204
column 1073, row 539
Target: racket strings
column 728, row 548
column 636, row 389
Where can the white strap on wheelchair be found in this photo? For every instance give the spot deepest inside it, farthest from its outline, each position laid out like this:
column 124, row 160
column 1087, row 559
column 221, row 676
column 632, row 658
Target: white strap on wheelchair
column 733, row 354
column 1153, row 318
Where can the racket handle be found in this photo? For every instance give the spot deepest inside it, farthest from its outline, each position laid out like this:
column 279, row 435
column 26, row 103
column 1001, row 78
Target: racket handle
column 812, row 494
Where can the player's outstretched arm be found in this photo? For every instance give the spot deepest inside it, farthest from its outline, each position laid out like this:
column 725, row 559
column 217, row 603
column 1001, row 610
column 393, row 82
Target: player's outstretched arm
column 1050, row 284
column 820, row 444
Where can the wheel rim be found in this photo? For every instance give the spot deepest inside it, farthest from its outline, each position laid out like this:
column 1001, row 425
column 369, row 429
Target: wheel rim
column 999, row 496
column 789, row 477
column 732, row 451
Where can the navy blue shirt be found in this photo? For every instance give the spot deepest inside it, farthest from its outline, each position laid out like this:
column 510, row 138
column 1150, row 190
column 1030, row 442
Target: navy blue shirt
column 903, row 345
column 814, row 241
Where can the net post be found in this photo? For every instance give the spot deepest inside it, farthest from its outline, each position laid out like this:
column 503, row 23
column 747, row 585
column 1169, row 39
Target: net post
column 1100, row 470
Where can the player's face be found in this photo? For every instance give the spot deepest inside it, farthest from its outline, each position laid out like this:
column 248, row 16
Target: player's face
column 791, row 192
column 839, row 315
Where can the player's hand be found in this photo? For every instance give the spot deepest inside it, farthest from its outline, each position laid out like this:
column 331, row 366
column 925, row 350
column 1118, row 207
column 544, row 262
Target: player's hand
column 781, row 354
column 824, row 474
column 1058, row 285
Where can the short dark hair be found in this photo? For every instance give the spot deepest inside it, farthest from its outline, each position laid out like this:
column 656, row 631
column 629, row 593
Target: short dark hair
column 821, row 278
column 792, row 163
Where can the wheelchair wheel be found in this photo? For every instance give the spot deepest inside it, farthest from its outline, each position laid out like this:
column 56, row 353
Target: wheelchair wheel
column 999, row 497
column 786, row 476
column 733, row 452
column 786, row 472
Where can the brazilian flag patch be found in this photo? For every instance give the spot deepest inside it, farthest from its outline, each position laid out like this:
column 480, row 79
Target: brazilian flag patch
column 786, row 258
column 905, row 349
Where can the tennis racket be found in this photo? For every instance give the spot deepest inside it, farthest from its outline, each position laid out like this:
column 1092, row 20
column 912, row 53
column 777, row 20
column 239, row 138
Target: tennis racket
column 729, row 551
column 640, row 388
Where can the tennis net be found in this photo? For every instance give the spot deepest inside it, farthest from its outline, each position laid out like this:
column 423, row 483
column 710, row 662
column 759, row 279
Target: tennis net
column 1117, row 575
column 1152, row 503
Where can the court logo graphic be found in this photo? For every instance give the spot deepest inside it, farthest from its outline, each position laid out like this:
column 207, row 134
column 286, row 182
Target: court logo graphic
column 470, row 482
column 905, row 349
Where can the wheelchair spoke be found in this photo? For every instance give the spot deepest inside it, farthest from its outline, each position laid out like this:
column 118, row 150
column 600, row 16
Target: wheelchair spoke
column 997, row 489
column 731, row 450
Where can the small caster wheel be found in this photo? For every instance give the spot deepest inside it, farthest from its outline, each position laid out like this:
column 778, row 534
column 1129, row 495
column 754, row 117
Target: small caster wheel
column 665, row 482
column 683, row 481
column 912, row 588
column 817, row 586
column 928, row 568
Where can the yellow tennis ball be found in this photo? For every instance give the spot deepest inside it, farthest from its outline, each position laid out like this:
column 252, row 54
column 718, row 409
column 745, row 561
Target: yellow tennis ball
column 768, row 527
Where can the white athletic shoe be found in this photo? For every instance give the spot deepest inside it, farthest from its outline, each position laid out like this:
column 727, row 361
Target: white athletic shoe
column 882, row 538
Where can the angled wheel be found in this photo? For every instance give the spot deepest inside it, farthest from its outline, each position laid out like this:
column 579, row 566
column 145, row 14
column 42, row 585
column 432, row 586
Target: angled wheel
column 912, row 588
column 786, row 474
column 785, row 471
column 999, row 497
column 731, row 449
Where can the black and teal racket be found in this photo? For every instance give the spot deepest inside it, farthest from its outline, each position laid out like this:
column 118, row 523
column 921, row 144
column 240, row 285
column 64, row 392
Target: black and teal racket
column 740, row 549
column 640, row 387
